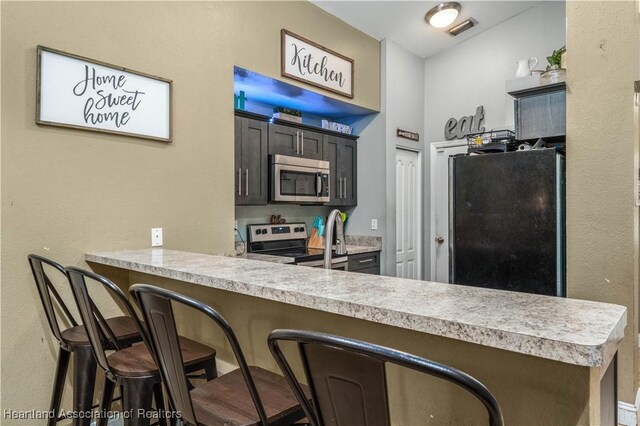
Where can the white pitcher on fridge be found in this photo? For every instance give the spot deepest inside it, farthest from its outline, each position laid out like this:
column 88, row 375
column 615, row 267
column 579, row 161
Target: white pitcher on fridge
column 525, row 66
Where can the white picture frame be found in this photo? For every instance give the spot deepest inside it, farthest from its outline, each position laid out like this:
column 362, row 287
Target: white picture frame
column 311, row 63
column 81, row 93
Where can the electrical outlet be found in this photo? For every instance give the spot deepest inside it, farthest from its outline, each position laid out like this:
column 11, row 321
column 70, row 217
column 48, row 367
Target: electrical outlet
column 156, row 237
column 374, row 224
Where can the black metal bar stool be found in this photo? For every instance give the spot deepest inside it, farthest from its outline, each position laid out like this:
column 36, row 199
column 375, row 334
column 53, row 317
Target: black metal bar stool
column 133, row 368
column 347, row 378
column 73, row 340
column 246, row 396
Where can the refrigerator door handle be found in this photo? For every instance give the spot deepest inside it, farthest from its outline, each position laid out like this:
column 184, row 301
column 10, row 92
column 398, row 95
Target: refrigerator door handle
column 452, row 212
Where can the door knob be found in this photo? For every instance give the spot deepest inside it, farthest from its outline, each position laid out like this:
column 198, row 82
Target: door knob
column 439, row 240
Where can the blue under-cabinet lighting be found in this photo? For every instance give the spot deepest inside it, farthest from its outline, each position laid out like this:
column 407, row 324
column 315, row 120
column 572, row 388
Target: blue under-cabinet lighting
column 265, row 90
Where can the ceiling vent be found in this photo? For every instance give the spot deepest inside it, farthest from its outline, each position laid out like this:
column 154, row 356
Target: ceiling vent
column 469, row 23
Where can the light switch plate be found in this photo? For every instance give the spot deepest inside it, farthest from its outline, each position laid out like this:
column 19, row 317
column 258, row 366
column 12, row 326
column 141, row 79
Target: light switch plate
column 156, row 237
column 374, row 224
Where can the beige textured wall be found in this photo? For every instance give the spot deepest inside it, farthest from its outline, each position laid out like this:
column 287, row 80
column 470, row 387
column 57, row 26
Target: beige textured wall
column 602, row 150
column 65, row 192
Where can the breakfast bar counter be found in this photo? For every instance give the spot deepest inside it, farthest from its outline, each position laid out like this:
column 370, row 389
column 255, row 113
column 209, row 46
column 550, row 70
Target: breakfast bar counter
column 547, row 359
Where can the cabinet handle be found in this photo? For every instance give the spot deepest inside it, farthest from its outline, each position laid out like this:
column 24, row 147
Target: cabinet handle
column 239, row 181
column 365, row 260
column 302, row 138
column 246, row 177
column 339, row 187
column 344, row 181
column 297, row 142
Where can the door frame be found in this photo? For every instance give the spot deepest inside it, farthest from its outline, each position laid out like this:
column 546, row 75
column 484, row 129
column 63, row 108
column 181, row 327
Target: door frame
column 433, row 150
column 420, row 204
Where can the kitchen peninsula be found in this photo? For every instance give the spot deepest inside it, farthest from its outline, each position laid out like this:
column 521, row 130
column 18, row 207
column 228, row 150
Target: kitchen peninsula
column 547, row 360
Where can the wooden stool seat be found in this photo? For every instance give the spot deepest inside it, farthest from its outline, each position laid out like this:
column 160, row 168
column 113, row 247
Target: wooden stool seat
column 226, row 400
column 137, row 361
column 124, row 328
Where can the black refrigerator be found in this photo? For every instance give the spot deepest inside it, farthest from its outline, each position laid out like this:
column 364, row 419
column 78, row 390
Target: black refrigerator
column 507, row 221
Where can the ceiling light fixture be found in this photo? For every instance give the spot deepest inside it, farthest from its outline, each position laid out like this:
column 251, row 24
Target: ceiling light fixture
column 443, row 15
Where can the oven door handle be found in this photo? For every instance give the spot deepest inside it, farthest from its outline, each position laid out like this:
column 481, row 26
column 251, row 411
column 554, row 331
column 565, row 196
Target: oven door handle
column 320, row 263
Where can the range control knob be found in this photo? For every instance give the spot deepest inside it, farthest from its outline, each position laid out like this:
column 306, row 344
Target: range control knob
column 264, row 231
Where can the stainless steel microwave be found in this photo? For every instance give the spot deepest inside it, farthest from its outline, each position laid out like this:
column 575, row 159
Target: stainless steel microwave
column 299, row 180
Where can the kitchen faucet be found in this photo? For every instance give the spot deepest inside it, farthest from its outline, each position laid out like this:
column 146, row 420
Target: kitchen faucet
column 335, row 219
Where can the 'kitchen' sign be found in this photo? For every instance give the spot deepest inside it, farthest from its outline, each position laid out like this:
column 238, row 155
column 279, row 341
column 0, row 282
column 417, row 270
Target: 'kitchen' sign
column 311, row 63
column 82, row 93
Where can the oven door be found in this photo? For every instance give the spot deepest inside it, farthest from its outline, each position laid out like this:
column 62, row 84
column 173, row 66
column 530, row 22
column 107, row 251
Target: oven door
column 298, row 184
column 339, row 263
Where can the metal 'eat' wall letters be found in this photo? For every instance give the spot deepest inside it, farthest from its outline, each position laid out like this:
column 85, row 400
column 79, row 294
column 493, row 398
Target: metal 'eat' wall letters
column 469, row 124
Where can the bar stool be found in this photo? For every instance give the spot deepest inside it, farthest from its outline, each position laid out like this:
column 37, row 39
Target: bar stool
column 348, row 381
column 74, row 340
column 246, row 396
column 133, row 368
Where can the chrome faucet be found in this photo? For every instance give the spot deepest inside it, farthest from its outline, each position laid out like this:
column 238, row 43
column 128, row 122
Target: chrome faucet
column 335, row 219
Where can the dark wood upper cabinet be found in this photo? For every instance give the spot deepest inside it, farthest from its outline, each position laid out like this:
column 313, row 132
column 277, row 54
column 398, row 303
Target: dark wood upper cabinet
column 251, row 162
column 342, row 155
column 256, row 139
column 294, row 141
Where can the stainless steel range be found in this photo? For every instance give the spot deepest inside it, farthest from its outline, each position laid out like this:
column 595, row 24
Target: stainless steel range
column 289, row 240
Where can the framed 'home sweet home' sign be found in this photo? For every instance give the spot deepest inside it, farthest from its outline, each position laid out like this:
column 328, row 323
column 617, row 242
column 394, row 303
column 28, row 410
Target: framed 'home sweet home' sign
column 311, row 63
column 81, row 93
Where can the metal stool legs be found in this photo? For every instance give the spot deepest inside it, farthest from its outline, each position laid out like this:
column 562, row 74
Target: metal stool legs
column 84, row 380
column 58, row 385
column 211, row 370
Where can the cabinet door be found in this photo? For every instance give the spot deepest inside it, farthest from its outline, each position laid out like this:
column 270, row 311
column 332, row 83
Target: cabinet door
column 330, row 153
column 348, row 164
column 251, row 165
column 237, row 169
column 366, row 263
column 283, row 140
column 311, row 146
column 254, row 161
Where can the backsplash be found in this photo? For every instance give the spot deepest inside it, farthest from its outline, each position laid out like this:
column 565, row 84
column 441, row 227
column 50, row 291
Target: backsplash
column 363, row 240
column 247, row 215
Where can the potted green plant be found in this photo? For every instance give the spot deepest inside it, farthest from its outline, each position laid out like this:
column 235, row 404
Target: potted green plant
column 555, row 73
column 288, row 114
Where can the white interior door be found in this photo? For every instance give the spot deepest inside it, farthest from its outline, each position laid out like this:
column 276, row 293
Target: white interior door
column 408, row 202
column 440, row 153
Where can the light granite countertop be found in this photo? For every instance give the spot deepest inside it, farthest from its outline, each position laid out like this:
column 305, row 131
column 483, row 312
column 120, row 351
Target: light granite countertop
column 361, row 249
column 573, row 331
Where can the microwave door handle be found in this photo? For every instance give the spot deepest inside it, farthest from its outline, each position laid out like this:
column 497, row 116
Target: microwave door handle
column 318, row 184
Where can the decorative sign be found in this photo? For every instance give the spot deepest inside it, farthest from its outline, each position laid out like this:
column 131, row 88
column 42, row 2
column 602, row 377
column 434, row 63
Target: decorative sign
column 407, row 135
column 467, row 125
column 306, row 61
column 81, row 93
